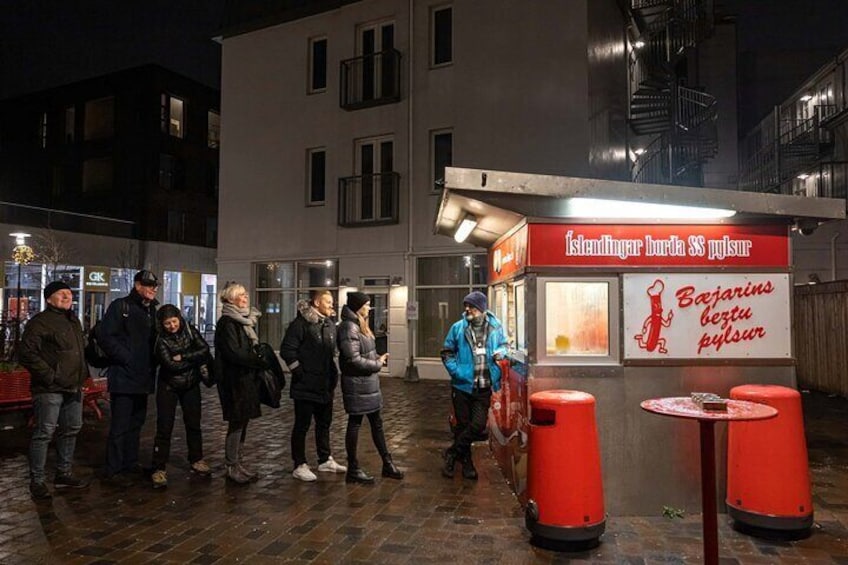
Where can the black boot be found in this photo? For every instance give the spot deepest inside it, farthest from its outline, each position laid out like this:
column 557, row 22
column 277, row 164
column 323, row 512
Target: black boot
column 468, row 470
column 357, row 475
column 390, row 470
column 450, row 463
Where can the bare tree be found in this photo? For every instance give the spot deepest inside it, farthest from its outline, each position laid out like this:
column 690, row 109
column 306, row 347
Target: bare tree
column 127, row 260
column 52, row 250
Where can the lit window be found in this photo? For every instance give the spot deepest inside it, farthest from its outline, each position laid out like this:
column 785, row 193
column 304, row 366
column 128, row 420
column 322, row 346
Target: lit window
column 213, row 129
column 316, row 177
column 442, row 35
column 318, row 64
column 176, row 125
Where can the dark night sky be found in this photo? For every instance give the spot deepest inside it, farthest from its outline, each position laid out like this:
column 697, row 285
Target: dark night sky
column 45, row 43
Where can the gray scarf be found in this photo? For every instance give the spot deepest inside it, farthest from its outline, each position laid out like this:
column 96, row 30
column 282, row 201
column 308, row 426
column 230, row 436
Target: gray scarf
column 247, row 317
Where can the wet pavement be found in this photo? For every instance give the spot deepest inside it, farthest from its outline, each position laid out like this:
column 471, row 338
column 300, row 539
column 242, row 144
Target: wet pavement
column 424, row 518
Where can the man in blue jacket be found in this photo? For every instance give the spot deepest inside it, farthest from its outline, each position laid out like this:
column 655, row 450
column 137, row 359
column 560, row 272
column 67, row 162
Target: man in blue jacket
column 471, row 351
column 126, row 335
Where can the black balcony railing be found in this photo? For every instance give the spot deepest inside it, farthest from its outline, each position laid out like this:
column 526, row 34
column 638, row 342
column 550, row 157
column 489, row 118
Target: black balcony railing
column 369, row 200
column 39, row 217
column 370, row 80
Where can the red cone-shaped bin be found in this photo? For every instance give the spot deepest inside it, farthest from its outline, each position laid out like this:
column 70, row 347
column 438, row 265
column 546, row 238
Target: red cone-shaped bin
column 565, row 492
column 768, row 479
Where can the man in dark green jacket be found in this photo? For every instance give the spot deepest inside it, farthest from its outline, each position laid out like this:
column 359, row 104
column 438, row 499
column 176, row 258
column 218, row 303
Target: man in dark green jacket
column 53, row 351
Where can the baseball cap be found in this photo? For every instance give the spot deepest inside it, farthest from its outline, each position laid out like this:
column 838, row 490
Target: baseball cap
column 146, row 278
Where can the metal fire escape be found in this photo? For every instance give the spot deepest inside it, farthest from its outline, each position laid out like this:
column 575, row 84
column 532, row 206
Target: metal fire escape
column 676, row 123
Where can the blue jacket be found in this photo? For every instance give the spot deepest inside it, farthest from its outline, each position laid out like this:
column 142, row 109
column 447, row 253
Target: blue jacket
column 127, row 335
column 458, row 357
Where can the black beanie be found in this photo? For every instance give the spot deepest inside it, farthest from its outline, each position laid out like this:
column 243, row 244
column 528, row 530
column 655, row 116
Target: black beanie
column 53, row 287
column 356, row 300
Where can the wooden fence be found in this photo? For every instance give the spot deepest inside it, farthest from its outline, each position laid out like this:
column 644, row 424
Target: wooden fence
column 821, row 336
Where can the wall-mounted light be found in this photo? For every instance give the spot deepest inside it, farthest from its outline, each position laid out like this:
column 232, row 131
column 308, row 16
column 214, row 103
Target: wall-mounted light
column 638, row 44
column 803, row 176
column 396, row 281
column 806, row 98
column 466, row 226
column 639, row 151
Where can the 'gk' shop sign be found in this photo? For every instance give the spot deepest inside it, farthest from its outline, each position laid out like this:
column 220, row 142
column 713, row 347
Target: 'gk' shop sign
column 706, row 316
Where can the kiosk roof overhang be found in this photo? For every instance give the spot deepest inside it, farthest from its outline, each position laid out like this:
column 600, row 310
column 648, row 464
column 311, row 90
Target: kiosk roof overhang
column 499, row 200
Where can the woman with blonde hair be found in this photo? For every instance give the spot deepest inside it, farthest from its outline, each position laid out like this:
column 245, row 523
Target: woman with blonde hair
column 236, row 364
column 360, row 366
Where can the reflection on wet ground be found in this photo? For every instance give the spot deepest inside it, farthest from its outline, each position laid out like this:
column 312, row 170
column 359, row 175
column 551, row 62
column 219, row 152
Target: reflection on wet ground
column 424, row 518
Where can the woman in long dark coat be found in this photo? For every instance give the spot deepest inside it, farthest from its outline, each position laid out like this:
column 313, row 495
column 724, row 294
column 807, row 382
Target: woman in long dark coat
column 360, row 366
column 236, row 364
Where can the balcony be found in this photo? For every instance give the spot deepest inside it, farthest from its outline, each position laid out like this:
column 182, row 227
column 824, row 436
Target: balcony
column 368, row 200
column 370, row 80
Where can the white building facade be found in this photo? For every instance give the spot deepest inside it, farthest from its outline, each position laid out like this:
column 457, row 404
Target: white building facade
column 337, row 126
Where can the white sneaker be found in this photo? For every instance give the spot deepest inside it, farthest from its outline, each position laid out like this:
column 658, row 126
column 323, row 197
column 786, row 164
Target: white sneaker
column 304, row 473
column 330, row 466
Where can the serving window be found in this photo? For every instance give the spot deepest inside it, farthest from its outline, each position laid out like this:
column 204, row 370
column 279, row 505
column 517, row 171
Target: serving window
column 578, row 321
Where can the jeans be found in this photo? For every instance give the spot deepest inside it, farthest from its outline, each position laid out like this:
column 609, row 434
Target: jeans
column 236, row 434
column 471, row 411
column 354, row 421
column 52, row 410
column 304, row 411
column 166, row 412
column 128, row 414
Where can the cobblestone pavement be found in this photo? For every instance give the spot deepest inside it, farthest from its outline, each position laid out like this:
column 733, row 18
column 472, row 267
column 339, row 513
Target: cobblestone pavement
column 424, row 518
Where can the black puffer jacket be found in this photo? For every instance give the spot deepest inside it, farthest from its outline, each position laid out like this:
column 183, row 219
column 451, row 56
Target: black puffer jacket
column 53, row 351
column 193, row 351
column 128, row 340
column 309, row 349
column 236, row 363
column 358, row 361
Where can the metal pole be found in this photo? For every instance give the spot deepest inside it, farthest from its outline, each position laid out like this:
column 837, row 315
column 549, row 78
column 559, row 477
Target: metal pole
column 18, row 314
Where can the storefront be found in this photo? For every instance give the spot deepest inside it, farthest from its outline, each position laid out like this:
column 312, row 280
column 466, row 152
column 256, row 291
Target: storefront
column 630, row 292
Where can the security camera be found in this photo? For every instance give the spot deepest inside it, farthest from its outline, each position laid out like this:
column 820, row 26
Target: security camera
column 806, row 227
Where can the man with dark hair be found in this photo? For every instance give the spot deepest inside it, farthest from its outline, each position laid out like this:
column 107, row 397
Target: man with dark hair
column 126, row 335
column 52, row 349
column 309, row 348
column 470, row 354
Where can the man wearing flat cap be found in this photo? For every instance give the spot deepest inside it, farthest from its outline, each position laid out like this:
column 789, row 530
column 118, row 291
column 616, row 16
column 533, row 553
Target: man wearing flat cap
column 470, row 354
column 127, row 334
column 53, row 351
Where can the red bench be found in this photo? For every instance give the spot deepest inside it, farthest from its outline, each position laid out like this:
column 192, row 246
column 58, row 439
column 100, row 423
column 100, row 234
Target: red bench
column 15, row 393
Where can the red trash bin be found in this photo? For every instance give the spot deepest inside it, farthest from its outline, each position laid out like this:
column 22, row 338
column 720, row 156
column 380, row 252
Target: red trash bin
column 564, row 487
column 768, row 478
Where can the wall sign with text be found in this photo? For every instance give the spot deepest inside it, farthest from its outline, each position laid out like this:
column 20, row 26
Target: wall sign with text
column 706, row 316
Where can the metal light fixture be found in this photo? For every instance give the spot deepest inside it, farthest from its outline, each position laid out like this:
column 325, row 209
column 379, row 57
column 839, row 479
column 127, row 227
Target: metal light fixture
column 806, row 98
column 466, row 226
column 22, row 255
column 638, row 44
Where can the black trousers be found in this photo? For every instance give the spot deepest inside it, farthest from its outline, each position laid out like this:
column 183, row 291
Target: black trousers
column 375, row 422
column 471, row 411
column 128, row 414
column 304, row 412
column 167, row 400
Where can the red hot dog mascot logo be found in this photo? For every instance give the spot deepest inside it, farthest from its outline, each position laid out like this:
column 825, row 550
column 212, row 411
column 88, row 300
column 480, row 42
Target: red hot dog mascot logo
column 649, row 338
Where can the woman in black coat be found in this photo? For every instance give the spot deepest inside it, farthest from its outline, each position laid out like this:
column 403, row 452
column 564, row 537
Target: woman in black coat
column 360, row 365
column 236, row 364
column 180, row 351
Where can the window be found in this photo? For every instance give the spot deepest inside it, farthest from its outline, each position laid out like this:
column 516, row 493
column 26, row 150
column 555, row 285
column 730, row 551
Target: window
column 171, row 174
column 176, row 226
column 318, row 64
column 97, row 174
column 316, row 177
column 213, row 129
column 43, row 129
column 70, row 123
column 171, row 116
column 442, row 148
column 442, row 35
column 375, row 160
column 99, row 118
column 211, row 232
column 584, row 332
column 442, row 284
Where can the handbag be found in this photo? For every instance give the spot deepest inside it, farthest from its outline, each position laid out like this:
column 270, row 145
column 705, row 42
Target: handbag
column 272, row 379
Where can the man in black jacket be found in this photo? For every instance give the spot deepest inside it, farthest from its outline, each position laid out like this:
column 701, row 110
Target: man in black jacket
column 53, row 351
column 126, row 335
column 308, row 349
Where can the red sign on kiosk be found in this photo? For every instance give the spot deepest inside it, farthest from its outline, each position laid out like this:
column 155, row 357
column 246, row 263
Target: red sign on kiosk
column 629, row 245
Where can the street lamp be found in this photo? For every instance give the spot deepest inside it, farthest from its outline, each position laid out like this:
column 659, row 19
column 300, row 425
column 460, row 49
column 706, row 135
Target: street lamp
column 22, row 255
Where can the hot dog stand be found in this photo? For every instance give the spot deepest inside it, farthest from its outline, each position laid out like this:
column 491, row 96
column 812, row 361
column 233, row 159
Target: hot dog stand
column 627, row 292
